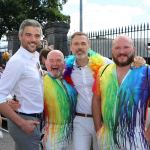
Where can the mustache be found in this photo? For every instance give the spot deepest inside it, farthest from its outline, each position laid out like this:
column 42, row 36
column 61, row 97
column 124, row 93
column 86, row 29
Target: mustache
column 79, row 50
column 122, row 55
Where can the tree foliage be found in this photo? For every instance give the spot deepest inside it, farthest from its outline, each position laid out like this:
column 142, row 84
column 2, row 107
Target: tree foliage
column 13, row 12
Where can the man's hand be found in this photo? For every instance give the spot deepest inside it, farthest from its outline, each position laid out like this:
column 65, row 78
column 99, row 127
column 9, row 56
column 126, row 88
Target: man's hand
column 98, row 132
column 138, row 61
column 147, row 134
column 46, row 131
column 14, row 104
column 28, row 126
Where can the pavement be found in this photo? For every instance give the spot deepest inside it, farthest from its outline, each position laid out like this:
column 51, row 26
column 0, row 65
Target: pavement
column 6, row 143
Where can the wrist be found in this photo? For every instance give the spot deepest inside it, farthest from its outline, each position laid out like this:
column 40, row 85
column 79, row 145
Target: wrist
column 20, row 122
column 98, row 131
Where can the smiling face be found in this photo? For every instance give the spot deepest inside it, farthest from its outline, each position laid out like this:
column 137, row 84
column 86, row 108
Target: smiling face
column 30, row 38
column 123, row 51
column 80, row 45
column 55, row 63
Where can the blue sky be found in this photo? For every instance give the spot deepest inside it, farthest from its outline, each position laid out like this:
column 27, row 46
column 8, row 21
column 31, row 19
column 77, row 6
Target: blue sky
column 106, row 14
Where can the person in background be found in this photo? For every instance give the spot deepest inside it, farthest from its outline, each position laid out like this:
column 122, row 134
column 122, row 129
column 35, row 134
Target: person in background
column 2, row 67
column 23, row 77
column 59, row 105
column 43, row 56
column 120, row 100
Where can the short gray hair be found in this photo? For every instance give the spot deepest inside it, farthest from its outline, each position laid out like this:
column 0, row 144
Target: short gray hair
column 79, row 34
column 29, row 22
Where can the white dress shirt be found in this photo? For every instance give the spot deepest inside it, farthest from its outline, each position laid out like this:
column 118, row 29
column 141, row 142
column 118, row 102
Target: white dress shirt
column 22, row 78
column 83, row 80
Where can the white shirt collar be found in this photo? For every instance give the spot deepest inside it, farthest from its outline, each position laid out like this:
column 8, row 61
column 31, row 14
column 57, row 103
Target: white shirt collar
column 77, row 66
column 28, row 54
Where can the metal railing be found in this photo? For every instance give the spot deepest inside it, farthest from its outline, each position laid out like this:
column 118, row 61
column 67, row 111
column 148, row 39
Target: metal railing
column 101, row 41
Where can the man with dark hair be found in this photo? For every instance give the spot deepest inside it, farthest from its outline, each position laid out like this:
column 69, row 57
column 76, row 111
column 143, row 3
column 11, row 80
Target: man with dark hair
column 22, row 77
column 81, row 69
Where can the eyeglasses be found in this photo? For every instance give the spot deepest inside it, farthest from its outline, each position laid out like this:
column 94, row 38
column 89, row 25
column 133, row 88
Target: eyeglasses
column 40, row 69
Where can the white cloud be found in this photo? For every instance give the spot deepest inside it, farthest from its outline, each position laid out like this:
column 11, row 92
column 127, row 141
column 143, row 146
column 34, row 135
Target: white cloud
column 146, row 2
column 104, row 17
column 70, row 6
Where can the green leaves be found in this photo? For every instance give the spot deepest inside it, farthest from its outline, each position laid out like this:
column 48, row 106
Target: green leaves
column 13, row 12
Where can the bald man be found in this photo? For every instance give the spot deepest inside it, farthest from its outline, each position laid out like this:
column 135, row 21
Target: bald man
column 121, row 100
column 59, row 104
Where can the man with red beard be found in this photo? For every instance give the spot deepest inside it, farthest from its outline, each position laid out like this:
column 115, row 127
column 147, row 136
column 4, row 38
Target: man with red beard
column 22, row 77
column 120, row 100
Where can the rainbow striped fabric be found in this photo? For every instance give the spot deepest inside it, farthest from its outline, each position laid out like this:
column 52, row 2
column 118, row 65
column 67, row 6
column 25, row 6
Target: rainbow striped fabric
column 124, row 108
column 95, row 62
column 59, row 106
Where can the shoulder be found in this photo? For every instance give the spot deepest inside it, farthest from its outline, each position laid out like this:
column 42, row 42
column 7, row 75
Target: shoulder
column 107, row 68
column 45, row 77
column 96, row 58
column 16, row 61
column 108, row 61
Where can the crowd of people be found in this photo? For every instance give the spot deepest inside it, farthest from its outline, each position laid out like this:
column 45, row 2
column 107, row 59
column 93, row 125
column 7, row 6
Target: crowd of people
column 82, row 102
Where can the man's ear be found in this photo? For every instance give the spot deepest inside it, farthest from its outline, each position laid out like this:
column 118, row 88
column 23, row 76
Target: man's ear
column 64, row 65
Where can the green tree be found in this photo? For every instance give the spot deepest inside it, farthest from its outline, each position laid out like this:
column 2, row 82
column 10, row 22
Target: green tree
column 13, row 12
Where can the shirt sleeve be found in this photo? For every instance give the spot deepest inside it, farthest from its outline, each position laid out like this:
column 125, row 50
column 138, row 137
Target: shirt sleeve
column 10, row 77
column 108, row 61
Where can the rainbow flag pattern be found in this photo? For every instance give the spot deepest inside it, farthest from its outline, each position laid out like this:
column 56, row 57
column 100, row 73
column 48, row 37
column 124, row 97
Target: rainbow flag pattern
column 95, row 62
column 124, row 108
column 59, row 108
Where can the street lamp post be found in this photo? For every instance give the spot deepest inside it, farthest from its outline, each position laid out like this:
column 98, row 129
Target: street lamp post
column 81, row 16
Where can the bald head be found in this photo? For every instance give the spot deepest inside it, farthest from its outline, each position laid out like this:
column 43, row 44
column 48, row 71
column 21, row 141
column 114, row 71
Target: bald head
column 123, row 38
column 55, row 63
column 55, row 53
column 123, row 50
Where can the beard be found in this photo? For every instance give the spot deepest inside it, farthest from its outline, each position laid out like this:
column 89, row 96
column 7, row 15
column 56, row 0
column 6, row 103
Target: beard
column 31, row 47
column 129, row 60
column 82, row 55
